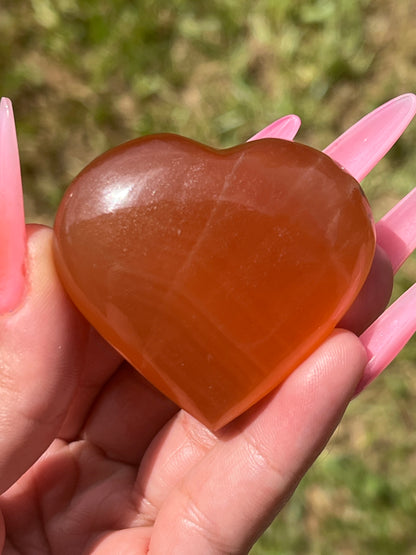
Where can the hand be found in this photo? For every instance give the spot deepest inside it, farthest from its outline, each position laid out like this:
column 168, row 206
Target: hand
column 94, row 460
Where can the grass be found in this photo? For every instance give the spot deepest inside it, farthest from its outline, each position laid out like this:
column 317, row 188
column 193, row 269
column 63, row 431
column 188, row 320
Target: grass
column 86, row 75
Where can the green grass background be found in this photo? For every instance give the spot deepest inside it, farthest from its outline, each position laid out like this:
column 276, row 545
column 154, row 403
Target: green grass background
column 87, row 75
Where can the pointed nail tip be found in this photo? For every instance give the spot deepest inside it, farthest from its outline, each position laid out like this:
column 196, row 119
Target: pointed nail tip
column 407, row 97
column 408, row 102
column 293, row 121
column 295, row 118
column 285, row 127
column 12, row 228
column 6, row 105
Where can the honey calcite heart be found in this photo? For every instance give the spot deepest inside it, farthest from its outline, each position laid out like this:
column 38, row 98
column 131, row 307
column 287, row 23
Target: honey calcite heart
column 214, row 272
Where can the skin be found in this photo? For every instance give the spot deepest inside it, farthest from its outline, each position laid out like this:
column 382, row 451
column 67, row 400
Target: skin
column 373, row 297
column 94, row 460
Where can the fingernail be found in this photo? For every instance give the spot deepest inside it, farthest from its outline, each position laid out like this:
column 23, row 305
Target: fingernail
column 283, row 128
column 387, row 336
column 12, row 220
column 396, row 231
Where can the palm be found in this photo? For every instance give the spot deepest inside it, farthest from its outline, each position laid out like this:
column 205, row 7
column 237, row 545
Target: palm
column 95, row 460
column 86, row 487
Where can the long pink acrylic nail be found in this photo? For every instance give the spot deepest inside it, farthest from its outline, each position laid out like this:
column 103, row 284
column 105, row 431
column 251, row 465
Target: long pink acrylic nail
column 283, row 128
column 360, row 148
column 387, row 336
column 396, row 231
column 12, row 221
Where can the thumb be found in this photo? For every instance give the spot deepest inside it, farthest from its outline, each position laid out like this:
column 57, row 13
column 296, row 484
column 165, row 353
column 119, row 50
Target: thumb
column 41, row 349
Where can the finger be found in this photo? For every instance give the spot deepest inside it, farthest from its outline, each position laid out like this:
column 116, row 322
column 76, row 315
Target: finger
column 179, row 446
column 224, row 503
column 127, row 415
column 100, row 363
column 41, row 348
column 373, row 297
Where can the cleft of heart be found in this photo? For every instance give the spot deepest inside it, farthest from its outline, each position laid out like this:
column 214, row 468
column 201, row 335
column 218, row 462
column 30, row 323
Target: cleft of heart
column 215, row 273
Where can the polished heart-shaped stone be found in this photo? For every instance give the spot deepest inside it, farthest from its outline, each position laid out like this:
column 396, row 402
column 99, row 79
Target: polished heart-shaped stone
column 214, row 272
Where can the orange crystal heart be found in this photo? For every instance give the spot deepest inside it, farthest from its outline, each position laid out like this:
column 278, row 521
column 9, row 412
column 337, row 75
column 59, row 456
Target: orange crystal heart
column 214, row 272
